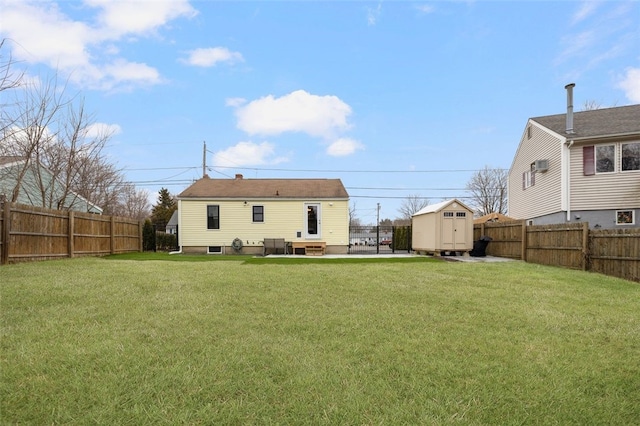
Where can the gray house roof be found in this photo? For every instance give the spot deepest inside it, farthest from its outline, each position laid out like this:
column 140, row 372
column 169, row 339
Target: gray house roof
column 266, row 188
column 597, row 123
column 30, row 191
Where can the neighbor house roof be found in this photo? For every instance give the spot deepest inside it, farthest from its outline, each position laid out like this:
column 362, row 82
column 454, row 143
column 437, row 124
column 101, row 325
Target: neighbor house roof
column 618, row 121
column 29, row 183
column 431, row 208
column 266, row 188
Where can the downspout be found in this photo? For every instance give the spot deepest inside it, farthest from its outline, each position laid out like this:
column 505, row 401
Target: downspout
column 179, row 216
column 569, row 131
column 567, row 169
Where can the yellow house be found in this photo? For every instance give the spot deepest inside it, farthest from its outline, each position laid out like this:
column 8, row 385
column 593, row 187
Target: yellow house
column 238, row 215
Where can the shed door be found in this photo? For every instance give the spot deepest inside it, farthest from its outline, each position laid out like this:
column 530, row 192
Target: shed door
column 454, row 227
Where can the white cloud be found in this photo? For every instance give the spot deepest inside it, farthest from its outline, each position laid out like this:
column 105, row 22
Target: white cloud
column 97, row 130
column 425, row 8
column 298, row 111
column 118, row 18
column 209, row 57
column 630, row 83
column 235, row 102
column 127, row 73
column 373, row 14
column 343, row 147
column 587, row 8
column 247, row 154
column 44, row 34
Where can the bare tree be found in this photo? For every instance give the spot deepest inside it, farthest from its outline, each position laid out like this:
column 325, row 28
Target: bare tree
column 132, row 202
column 61, row 160
column 411, row 205
column 590, row 105
column 353, row 219
column 488, row 189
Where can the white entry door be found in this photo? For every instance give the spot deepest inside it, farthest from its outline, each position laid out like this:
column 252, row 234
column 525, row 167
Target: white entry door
column 312, row 221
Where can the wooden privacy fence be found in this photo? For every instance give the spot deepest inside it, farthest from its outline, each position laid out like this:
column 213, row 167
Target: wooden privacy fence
column 33, row 233
column 614, row 252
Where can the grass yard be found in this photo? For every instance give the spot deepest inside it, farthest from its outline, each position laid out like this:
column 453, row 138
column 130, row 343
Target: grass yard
column 213, row 340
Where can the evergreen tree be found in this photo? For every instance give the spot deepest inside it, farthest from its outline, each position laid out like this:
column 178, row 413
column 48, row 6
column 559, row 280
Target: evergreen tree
column 162, row 211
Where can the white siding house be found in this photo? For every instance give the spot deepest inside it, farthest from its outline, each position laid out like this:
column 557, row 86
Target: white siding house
column 582, row 167
column 236, row 215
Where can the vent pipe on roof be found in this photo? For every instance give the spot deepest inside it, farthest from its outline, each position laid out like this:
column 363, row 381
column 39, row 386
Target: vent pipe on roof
column 569, row 88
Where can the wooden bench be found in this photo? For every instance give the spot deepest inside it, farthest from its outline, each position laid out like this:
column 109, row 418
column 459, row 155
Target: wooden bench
column 309, row 248
column 274, row 244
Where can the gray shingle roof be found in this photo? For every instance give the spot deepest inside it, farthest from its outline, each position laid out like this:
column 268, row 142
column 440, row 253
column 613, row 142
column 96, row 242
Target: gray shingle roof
column 266, row 188
column 604, row 122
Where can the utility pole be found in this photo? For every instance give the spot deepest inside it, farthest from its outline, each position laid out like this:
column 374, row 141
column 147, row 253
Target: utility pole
column 204, row 158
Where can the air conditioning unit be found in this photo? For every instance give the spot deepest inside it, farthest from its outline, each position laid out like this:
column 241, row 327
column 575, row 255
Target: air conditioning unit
column 541, row 165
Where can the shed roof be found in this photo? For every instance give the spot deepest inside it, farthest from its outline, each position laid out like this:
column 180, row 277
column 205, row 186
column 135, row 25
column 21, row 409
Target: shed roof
column 266, row 188
column 603, row 122
column 432, row 208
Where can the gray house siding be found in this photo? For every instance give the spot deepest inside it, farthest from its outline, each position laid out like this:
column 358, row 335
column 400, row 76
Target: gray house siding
column 544, row 196
column 566, row 192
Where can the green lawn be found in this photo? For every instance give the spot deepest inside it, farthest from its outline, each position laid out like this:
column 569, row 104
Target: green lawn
column 214, row 340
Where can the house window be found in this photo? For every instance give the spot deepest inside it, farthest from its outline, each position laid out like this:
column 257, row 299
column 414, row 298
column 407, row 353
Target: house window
column 258, row 213
column 630, row 156
column 213, row 217
column 529, row 177
column 448, row 214
column 625, row 217
column 605, row 158
column 461, row 214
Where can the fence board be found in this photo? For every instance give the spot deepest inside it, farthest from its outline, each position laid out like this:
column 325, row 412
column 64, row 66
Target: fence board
column 506, row 238
column 33, row 233
column 614, row 252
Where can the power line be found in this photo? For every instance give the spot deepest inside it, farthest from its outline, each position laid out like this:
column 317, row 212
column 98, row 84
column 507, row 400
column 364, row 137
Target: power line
column 266, row 169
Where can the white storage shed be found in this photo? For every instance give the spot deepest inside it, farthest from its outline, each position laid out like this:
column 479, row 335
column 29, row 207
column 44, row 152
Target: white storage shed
column 443, row 227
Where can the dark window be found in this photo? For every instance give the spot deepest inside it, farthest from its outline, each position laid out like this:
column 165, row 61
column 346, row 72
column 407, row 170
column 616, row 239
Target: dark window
column 631, row 156
column 605, row 158
column 461, row 214
column 213, row 217
column 258, row 213
column 447, row 214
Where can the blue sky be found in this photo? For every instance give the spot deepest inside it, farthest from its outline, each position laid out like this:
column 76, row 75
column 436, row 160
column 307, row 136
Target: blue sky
column 396, row 98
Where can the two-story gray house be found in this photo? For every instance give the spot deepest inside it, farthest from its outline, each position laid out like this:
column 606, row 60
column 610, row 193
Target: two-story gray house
column 582, row 167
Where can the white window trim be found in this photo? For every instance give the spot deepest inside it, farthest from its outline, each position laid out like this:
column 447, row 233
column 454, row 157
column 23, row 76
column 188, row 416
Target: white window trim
column 633, row 217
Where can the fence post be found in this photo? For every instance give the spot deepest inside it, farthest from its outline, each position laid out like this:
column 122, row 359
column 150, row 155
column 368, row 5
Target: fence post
column 4, row 249
column 523, row 250
column 70, row 242
column 113, row 235
column 140, row 236
column 586, row 255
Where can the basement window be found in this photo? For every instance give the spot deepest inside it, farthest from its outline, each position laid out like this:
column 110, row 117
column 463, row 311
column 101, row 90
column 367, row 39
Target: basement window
column 214, row 249
column 625, row 217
